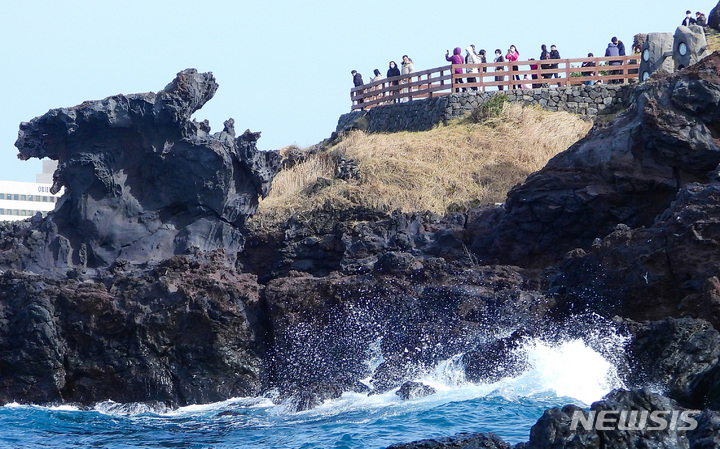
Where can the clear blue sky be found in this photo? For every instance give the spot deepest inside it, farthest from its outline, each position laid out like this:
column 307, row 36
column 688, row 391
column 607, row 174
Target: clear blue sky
column 283, row 66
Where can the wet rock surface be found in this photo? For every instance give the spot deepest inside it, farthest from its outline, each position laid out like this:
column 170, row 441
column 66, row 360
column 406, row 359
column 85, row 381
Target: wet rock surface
column 459, row 441
column 144, row 284
column 180, row 333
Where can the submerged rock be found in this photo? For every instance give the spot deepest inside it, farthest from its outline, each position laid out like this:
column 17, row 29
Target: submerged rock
column 414, row 390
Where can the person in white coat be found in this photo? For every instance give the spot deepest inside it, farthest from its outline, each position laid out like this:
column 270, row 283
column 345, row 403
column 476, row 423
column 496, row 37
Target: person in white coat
column 408, row 67
column 472, row 58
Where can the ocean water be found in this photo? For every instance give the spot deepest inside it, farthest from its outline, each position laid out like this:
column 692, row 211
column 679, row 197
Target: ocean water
column 570, row 372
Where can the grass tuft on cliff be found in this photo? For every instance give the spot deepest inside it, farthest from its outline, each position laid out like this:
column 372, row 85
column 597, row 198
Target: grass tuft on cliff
column 449, row 168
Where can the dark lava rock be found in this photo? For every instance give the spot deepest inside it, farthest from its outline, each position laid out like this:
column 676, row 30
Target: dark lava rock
column 414, row 390
column 143, row 182
column 668, row 268
column 626, row 172
column 707, row 433
column 714, row 17
column 492, row 361
column 458, row 441
column 678, row 356
column 554, row 429
column 180, row 333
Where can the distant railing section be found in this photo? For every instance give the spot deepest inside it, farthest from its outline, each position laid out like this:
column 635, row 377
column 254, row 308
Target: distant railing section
column 494, row 75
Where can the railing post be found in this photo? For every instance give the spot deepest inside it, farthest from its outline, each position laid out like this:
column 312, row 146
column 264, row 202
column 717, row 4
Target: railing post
column 452, row 78
column 567, row 73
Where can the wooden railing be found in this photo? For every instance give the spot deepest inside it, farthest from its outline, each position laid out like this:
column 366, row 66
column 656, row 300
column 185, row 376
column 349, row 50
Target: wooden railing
column 494, row 76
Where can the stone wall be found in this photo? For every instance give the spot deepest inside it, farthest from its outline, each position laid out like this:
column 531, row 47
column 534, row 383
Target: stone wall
column 421, row 115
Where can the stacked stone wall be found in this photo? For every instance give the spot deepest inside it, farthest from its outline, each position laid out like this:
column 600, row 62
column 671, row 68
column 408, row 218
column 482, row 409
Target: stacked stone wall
column 421, row 115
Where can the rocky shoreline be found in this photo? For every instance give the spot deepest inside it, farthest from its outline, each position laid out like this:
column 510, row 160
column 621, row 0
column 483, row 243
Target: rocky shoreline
column 144, row 285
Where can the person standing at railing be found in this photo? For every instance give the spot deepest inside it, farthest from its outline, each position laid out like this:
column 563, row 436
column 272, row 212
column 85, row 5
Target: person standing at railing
column 499, row 58
column 408, row 67
column 612, row 50
column 620, row 46
column 589, row 64
column 554, row 54
column 456, row 58
column 357, row 81
column 393, row 71
column 512, row 56
column 483, row 60
column 545, row 55
column 472, row 58
column 378, row 76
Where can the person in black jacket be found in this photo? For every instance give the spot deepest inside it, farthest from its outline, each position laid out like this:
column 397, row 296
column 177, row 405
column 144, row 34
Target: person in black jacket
column 393, row 70
column 620, row 46
column 589, row 64
column 545, row 54
column 554, row 54
column 357, row 81
column 688, row 20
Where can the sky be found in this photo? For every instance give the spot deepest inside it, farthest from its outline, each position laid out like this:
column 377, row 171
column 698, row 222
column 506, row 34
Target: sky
column 283, row 66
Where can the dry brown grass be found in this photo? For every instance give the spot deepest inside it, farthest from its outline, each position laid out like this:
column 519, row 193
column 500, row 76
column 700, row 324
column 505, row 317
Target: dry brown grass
column 713, row 40
column 448, row 168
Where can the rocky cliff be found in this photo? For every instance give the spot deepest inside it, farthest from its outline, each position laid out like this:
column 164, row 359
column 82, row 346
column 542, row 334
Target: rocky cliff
column 143, row 181
column 144, row 284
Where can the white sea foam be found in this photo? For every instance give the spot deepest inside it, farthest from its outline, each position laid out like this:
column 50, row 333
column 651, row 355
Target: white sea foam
column 571, row 369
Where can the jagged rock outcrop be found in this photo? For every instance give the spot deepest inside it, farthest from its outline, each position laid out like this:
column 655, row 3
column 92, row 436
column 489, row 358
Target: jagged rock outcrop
column 668, row 268
column 626, row 172
column 714, row 17
column 619, row 429
column 143, row 182
column 180, row 333
column 679, row 356
column 458, row 441
column 414, row 390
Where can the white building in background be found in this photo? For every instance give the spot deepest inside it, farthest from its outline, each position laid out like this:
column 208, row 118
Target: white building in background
column 20, row 200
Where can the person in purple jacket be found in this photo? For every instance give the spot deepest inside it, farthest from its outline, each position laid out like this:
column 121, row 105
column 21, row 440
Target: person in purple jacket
column 456, row 58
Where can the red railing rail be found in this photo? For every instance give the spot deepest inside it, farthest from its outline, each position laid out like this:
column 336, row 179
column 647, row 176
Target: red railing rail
column 493, row 76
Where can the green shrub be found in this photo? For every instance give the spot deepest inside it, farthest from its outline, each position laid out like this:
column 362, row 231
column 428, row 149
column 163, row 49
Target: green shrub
column 489, row 109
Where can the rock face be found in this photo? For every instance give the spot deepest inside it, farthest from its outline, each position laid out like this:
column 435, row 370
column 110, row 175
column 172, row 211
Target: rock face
column 668, row 268
column 180, row 333
column 143, row 182
column 714, row 17
column 459, row 441
column 680, row 356
column 414, row 390
column 555, row 428
column 627, row 172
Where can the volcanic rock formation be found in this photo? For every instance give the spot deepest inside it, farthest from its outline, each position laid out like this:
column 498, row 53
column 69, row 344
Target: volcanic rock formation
column 143, row 182
column 626, row 172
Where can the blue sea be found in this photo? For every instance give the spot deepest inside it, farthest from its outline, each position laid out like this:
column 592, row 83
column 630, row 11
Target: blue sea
column 560, row 374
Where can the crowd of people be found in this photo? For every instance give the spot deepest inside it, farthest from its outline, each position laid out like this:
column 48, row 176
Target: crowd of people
column 614, row 48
